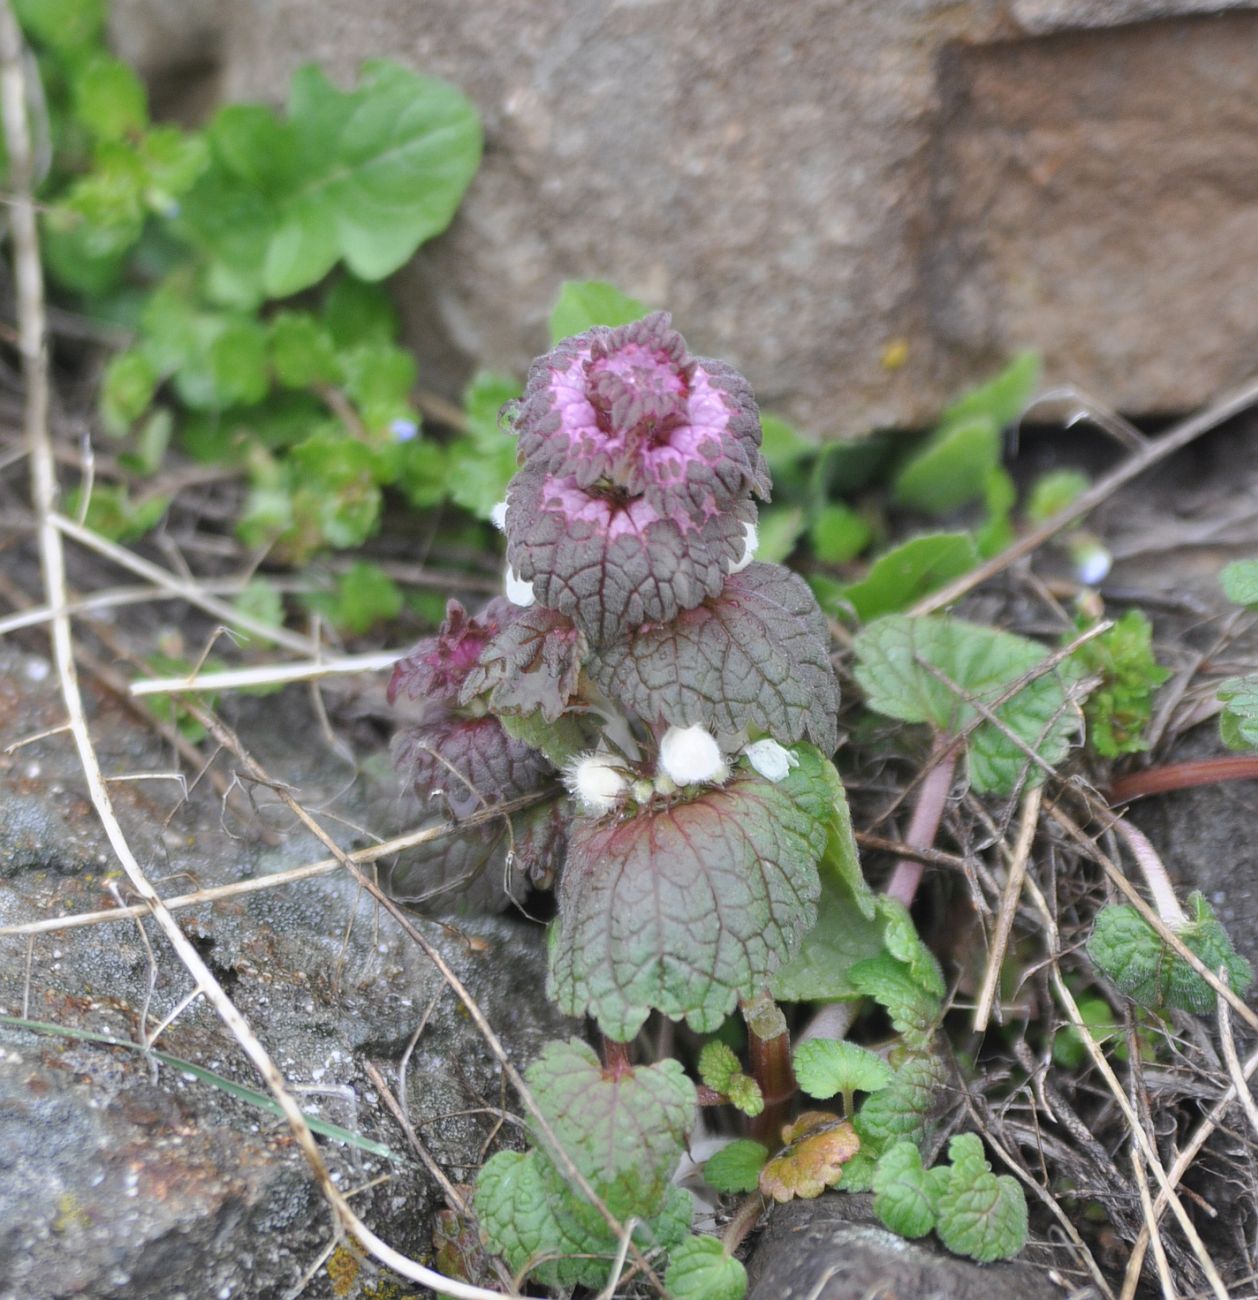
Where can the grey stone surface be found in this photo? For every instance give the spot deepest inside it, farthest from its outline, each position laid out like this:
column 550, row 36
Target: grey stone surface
column 806, row 185
column 123, row 1177
column 833, row 1249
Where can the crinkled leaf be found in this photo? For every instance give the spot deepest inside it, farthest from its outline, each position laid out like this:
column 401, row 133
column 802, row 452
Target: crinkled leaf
column 718, row 1065
column 1118, row 710
column 687, row 907
column 909, row 571
column 584, row 303
column 745, row 1095
column 531, row 665
column 736, row 1166
column 815, row 1149
column 905, row 945
column 756, row 655
column 436, row 669
column 1238, row 723
column 904, row 1109
column 625, row 1132
column 1149, row 971
column 979, row 1214
column 701, row 1269
column 894, row 661
column 826, row 1066
column 902, row 1198
column 1239, row 581
column 914, row 1009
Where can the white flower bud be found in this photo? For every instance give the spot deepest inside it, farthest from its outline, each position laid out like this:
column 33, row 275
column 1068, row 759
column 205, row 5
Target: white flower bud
column 751, row 543
column 595, row 782
column 770, row 759
column 691, row 754
column 519, row 592
column 498, row 516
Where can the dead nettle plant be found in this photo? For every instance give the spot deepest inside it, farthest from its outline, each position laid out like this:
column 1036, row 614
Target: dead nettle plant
column 684, row 694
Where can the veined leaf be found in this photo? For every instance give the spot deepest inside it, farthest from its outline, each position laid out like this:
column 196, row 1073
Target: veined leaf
column 826, row 1066
column 701, row 1269
column 978, row 1214
column 736, row 1166
column 902, row 1198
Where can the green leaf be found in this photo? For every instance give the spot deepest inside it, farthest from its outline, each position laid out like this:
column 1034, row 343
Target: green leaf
column 825, row 1067
column 356, row 312
column 842, row 936
column 1238, row 723
column 736, row 1166
column 113, row 513
column 909, row 571
column 745, row 1095
column 913, row 1010
column 906, row 946
column 718, row 1065
column 109, row 99
column 904, row 1109
column 1150, row 972
column 784, row 446
column 779, row 529
column 1054, row 492
column 838, row 534
column 1239, row 581
column 978, row 1214
column 127, row 390
column 701, row 1269
column 1003, row 398
column 951, row 469
column 261, row 601
column 484, row 461
column 894, row 661
column 67, row 26
column 378, row 379
column 902, row 1198
column 585, row 303
column 999, row 496
column 624, row 1131
column 1118, row 710
column 365, row 595
column 238, row 363
column 687, row 907
column 302, row 351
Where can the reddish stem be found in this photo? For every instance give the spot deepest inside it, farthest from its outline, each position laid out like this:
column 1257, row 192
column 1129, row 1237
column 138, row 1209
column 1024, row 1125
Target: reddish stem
column 770, row 1060
column 932, row 799
column 615, row 1058
column 1183, row 776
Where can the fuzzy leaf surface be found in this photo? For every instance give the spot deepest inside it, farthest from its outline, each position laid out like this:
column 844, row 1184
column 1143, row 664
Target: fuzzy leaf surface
column 904, row 1109
column 979, row 1214
column 1238, row 723
column 687, row 907
column 894, row 661
column 902, row 1198
column 1149, row 971
column 842, row 936
column 624, row 1132
column 736, row 1166
column 700, row 1269
column 913, row 1007
column 756, row 655
column 1119, row 709
column 1239, row 581
column 826, row 1066
column 531, row 665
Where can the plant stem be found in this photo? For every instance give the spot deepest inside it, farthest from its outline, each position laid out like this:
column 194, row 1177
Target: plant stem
column 770, row 1060
column 932, row 799
column 1155, row 874
column 615, row 1058
column 1183, row 776
column 745, row 1218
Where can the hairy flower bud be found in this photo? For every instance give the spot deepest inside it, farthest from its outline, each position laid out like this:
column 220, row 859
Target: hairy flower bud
column 690, row 754
column 771, row 760
column 596, row 782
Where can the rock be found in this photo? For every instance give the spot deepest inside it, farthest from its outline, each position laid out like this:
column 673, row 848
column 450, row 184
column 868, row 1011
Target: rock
column 865, row 206
column 123, row 1176
column 832, row 1249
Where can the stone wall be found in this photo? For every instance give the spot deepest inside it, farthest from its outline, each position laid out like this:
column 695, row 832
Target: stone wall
column 821, row 188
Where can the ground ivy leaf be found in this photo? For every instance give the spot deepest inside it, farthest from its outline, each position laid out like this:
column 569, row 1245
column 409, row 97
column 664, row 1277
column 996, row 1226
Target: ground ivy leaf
column 369, row 175
column 1118, row 710
column 736, row 1166
column 625, row 1131
column 905, row 945
column 1238, row 723
column 686, row 907
column 826, row 1066
column 909, row 571
column 583, row 304
column 1239, row 581
column 842, row 937
column 815, row 1149
column 757, row 654
column 1150, row 972
column 700, row 1269
column 978, row 1214
column 902, row 1198
column 894, row 658
column 914, row 1009
column 903, row 1110
column 718, row 1065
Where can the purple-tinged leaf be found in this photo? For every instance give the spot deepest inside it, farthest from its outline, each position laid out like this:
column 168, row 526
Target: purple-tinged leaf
column 434, row 670
column 531, row 666
column 756, row 655
column 686, row 907
column 630, row 407
column 611, row 563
